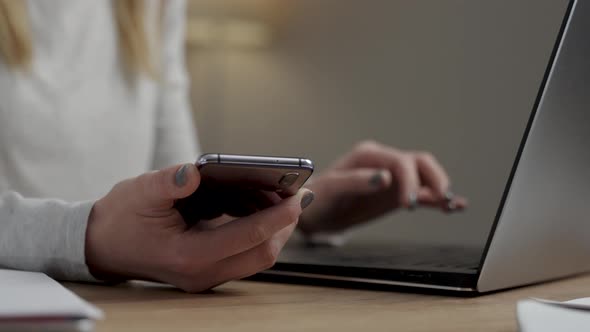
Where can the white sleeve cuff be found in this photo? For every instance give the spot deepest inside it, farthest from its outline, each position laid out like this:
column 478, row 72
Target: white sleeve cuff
column 44, row 235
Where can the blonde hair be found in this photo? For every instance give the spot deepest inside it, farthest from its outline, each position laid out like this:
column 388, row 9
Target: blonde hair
column 16, row 44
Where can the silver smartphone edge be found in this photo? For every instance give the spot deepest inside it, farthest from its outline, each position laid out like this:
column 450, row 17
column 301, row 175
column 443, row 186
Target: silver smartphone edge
column 217, row 158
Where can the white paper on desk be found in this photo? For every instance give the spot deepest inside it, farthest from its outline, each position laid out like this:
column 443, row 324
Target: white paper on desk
column 538, row 315
column 28, row 295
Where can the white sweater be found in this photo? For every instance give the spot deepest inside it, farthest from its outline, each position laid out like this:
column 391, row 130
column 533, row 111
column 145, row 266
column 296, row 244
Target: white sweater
column 74, row 126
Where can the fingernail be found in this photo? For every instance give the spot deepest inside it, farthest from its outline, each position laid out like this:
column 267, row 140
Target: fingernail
column 412, row 201
column 376, row 180
column 307, row 199
column 450, row 204
column 449, row 196
column 180, row 178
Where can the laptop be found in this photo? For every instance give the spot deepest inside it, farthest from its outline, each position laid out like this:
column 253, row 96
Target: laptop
column 541, row 230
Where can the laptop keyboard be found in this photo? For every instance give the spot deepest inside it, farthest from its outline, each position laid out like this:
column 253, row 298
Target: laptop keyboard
column 438, row 258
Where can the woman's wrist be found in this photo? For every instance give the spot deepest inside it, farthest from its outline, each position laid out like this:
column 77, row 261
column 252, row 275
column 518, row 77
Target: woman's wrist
column 96, row 263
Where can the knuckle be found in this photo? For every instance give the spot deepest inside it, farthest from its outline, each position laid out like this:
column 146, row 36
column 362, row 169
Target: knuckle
column 269, row 253
column 180, row 265
column 180, row 260
column 257, row 233
column 367, row 146
column 405, row 166
column 405, row 161
column 425, row 156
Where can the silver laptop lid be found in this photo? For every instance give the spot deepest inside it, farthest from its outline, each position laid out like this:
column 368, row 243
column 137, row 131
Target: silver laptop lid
column 543, row 228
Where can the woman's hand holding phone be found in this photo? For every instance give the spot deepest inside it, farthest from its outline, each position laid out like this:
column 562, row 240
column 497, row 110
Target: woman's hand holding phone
column 134, row 232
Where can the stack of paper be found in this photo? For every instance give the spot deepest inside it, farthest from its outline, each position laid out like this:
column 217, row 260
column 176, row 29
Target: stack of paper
column 537, row 315
column 34, row 302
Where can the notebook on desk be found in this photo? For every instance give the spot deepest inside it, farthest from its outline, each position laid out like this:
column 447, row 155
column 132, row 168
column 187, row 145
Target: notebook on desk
column 34, row 302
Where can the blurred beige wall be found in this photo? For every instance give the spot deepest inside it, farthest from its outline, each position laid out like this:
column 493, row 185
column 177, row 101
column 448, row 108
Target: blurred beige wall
column 454, row 77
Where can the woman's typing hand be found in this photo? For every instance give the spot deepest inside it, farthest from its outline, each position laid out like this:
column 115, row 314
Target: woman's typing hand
column 374, row 179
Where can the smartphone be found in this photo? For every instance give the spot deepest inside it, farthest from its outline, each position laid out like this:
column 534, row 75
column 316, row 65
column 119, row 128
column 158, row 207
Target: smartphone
column 237, row 184
column 279, row 174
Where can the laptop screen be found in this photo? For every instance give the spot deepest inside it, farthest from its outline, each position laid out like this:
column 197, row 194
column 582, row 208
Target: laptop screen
column 456, row 78
column 489, row 142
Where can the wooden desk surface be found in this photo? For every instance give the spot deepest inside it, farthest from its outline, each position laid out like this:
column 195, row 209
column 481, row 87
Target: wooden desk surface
column 256, row 306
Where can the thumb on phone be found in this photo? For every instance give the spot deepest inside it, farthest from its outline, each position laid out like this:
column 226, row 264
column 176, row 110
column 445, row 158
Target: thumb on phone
column 161, row 188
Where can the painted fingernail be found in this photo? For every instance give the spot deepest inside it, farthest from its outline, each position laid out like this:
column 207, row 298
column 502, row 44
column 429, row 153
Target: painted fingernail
column 450, row 204
column 412, row 201
column 449, row 196
column 376, row 180
column 307, row 199
column 180, row 178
